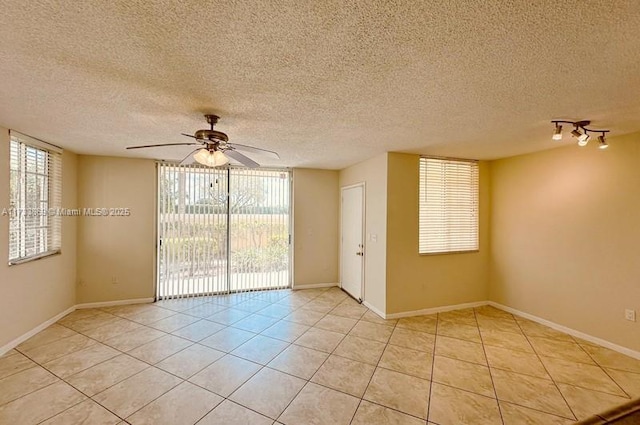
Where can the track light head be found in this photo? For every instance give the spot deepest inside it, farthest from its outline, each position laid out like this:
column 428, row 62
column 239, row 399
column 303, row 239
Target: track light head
column 602, row 143
column 575, row 132
column 583, row 139
column 557, row 133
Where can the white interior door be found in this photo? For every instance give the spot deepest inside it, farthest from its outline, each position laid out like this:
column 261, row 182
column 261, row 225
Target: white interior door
column 352, row 247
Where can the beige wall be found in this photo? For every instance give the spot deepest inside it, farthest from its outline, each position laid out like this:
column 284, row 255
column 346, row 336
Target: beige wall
column 116, row 247
column 416, row 281
column 124, row 247
column 315, row 212
column 566, row 237
column 34, row 292
column 373, row 173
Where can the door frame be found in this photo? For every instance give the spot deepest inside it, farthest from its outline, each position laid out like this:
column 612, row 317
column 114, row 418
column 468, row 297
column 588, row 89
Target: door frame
column 364, row 237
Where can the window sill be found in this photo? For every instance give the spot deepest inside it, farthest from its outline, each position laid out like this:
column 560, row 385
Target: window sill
column 471, row 251
column 17, row 261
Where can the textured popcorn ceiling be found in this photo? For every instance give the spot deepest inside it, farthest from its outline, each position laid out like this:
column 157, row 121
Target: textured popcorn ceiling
column 325, row 83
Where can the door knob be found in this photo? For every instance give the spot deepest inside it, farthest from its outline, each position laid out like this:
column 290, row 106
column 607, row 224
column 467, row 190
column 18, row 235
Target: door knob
column 360, row 253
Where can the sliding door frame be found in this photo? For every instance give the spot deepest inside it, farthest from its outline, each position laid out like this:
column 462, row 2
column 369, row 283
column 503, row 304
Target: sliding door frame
column 228, row 169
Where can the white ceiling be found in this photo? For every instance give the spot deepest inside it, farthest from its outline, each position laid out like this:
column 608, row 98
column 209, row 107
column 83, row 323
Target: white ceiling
column 324, row 83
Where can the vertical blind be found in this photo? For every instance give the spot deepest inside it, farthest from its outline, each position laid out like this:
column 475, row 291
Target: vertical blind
column 448, row 205
column 36, row 196
column 222, row 230
column 259, row 229
column 192, row 222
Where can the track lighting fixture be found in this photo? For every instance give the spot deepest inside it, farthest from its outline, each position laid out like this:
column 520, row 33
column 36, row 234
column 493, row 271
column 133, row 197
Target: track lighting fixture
column 557, row 133
column 580, row 132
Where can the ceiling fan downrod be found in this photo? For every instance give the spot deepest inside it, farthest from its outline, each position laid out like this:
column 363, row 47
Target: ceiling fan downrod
column 212, row 119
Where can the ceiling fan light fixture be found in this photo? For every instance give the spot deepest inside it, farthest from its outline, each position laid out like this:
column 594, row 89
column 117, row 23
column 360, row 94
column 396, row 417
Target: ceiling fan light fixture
column 220, row 158
column 201, row 156
column 210, row 159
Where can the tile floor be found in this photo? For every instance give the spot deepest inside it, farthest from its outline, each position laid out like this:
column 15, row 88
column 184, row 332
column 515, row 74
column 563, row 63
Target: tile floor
column 305, row 357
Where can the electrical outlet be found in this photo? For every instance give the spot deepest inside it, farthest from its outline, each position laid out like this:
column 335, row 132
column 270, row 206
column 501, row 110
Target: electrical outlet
column 630, row 315
column 115, row 280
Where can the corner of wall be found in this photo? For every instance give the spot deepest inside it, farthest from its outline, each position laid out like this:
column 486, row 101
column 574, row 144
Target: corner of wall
column 37, row 291
column 417, row 282
column 373, row 172
column 564, row 237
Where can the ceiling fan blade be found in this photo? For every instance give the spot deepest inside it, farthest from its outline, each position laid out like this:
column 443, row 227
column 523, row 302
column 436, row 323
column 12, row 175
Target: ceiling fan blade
column 255, row 150
column 188, row 135
column 189, row 158
column 244, row 160
column 164, row 144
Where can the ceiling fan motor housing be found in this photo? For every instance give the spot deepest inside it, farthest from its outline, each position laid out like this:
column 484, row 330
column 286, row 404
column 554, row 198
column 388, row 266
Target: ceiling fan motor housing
column 211, row 135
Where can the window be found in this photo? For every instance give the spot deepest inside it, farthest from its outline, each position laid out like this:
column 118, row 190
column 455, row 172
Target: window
column 448, row 206
column 36, row 195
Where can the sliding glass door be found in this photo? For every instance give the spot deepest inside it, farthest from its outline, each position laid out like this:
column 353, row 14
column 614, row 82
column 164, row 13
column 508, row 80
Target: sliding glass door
column 222, row 230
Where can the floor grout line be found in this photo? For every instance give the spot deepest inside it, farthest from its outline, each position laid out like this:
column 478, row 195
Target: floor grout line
column 120, row 351
column 575, row 417
column 595, row 361
column 187, row 380
column 373, row 374
column 76, row 389
column 325, row 360
column 433, row 362
column 291, row 307
column 493, row 384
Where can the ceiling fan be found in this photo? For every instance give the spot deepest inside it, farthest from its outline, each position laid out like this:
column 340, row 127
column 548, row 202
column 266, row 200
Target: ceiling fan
column 215, row 149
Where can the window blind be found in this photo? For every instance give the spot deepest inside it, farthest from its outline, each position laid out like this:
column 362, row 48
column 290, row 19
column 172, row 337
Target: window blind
column 448, row 206
column 222, row 229
column 35, row 223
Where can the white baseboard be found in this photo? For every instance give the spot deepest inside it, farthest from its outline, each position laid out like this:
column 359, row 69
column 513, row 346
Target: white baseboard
column 599, row 341
column 604, row 343
column 117, row 302
column 374, row 309
column 42, row 326
column 314, row 286
column 434, row 310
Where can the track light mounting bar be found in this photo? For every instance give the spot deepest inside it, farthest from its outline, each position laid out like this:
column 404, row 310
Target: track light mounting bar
column 580, row 124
